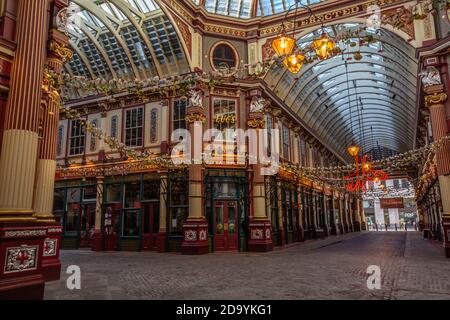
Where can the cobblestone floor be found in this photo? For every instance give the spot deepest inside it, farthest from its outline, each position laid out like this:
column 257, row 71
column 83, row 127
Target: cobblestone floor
column 334, row 268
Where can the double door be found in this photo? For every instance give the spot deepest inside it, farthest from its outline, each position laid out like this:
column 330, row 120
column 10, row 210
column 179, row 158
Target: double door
column 150, row 225
column 87, row 225
column 226, row 225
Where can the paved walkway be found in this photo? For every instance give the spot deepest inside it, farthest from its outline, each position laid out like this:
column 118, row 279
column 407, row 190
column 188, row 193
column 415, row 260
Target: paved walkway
column 334, row 268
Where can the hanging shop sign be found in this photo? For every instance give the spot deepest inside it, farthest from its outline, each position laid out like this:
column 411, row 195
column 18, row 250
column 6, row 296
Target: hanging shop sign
column 392, row 203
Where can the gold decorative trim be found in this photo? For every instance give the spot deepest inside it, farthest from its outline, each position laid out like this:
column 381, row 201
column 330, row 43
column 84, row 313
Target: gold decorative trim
column 436, row 98
column 256, row 123
column 194, row 117
column 63, row 52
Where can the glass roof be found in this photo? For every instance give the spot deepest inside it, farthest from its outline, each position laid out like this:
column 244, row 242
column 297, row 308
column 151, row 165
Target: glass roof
column 371, row 101
column 127, row 38
column 246, row 9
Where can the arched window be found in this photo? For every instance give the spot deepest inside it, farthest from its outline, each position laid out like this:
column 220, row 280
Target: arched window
column 114, row 123
column 93, row 142
column 154, row 125
column 59, row 140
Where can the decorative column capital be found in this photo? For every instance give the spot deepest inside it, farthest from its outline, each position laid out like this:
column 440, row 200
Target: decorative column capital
column 60, row 50
column 435, row 99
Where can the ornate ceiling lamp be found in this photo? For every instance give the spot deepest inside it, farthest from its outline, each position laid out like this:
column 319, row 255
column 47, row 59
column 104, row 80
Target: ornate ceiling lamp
column 283, row 45
column 294, row 62
column 324, row 46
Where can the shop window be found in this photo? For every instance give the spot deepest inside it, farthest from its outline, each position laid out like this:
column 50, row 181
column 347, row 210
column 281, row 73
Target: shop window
column 286, row 149
column 224, row 57
column 151, row 190
column 132, row 194
column 154, row 125
column 59, row 142
column 77, row 137
column 89, row 193
column 224, row 120
column 134, row 121
column 224, row 190
column 113, row 193
column 130, row 223
column 114, row 126
column 269, row 126
column 303, row 153
column 93, row 142
column 71, row 221
column 178, row 205
column 179, row 114
column 58, row 200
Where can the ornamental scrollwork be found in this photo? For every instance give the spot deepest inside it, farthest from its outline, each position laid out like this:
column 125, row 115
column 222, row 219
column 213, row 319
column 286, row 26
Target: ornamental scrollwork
column 436, row 98
column 60, row 50
column 195, row 117
column 256, row 123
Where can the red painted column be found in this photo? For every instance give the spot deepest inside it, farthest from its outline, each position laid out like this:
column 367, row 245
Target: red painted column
column 436, row 100
column 21, row 236
column 57, row 55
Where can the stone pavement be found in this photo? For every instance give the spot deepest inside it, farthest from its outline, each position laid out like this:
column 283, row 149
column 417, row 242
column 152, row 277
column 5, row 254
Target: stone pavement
column 334, row 268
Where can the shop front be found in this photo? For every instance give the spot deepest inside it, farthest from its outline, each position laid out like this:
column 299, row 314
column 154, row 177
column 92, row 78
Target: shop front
column 226, row 200
column 74, row 207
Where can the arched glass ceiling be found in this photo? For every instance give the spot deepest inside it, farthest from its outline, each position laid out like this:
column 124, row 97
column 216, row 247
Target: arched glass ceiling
column 270, row 7
column 124, row 38
column 371, row 101
column 245, row 8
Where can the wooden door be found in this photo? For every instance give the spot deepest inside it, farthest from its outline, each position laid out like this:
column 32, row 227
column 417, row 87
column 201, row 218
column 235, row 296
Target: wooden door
column 225, row 225
column 87, row 225
column 150, row 225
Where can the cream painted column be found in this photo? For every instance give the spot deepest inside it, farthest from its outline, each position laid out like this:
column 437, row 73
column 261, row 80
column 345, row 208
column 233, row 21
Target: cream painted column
column 46, row 165
column 97, row 237
column 20, row 138
column 260, row 230
column 163, row 194
column 195, row 229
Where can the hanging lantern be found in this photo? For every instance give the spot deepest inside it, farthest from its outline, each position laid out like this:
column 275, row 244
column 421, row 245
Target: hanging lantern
column 324, row 46
column 294, row 62
column 353, row 150
column 283, row 45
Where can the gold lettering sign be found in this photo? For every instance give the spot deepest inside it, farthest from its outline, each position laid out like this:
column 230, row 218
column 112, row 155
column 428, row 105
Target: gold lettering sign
column 223, row 118
column 321, row 18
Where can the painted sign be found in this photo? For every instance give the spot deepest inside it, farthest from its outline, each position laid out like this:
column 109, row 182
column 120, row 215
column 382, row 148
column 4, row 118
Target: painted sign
column 392, row 203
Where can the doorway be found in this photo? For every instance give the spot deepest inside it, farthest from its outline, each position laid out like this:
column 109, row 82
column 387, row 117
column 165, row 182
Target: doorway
column 87, row 225
column 225, row 226
column 150, row 224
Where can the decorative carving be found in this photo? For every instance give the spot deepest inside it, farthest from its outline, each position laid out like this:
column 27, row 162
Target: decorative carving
column 50, row 247
column 68, row 16
column 190, row 235
column 258, row 104
column 202, row 235
column 257, row 234
column 267, row 233
column 196, row 98
column 436, row 98
column 194, row 117
column 185, row 33
column 24, row 233
column 256, row 123
column 60, row 50
column 23, row 258
column 431, row 77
